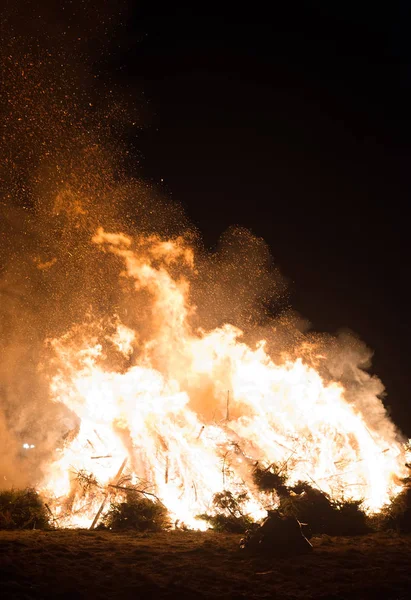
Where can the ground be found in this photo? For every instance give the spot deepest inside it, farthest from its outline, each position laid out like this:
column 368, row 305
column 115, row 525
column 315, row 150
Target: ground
column 74, row 564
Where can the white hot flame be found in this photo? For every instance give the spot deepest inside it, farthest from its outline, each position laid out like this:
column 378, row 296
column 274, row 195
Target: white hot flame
column 151, row 411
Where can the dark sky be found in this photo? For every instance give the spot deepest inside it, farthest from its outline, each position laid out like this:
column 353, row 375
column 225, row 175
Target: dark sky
column 296, row 125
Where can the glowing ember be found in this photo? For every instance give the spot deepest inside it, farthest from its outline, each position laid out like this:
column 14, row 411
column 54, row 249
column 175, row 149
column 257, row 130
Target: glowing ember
column 146, row 400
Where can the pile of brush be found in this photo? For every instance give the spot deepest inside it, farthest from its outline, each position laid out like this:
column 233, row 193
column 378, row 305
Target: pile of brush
column 136, row 512
column 23, row 509
column 315, row 510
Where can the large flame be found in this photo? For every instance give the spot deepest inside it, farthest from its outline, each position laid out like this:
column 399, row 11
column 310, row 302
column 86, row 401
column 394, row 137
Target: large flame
column 150, row 412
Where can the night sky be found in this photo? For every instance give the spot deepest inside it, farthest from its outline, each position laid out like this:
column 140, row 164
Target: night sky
column 295, row 125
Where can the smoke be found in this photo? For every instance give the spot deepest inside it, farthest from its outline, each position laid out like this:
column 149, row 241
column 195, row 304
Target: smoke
column 56, row 175
column 63, row 175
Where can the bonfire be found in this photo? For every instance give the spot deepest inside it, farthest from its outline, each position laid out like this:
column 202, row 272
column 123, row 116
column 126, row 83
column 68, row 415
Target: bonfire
column 180, row 413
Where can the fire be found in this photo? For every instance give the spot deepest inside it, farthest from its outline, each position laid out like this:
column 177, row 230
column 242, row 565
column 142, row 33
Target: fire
column 189, row 412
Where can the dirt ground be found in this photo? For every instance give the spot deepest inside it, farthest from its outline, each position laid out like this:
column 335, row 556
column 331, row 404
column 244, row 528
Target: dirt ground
column 83, row 564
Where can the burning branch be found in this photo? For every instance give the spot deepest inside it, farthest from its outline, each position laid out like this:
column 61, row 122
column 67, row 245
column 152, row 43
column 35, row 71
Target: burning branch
column 100, row 510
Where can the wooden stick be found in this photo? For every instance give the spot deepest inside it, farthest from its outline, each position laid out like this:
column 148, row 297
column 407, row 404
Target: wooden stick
column 107, row 494
column 105, row 456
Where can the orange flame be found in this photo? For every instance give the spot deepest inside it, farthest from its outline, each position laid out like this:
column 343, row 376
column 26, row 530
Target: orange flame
column 152, row 411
